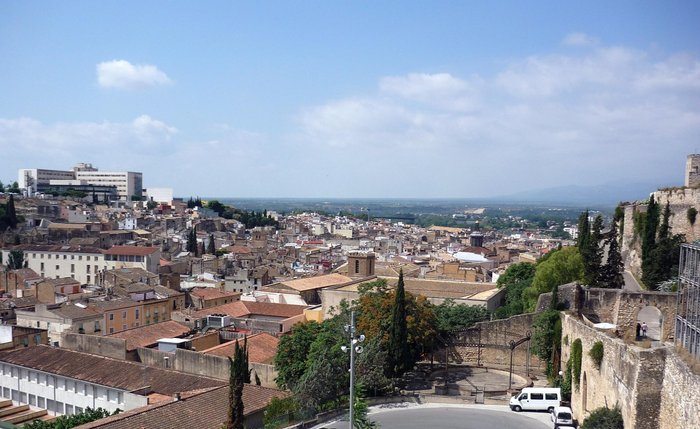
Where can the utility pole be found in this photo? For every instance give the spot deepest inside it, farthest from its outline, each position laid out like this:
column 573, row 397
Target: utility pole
column 354, row 348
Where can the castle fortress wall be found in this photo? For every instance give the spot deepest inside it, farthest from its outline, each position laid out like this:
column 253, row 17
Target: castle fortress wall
column 680, row 200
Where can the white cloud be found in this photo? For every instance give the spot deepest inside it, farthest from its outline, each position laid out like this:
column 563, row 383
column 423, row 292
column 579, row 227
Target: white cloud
column 121, row 74
column 57, row 144
column 579, row 39
column 601, row 114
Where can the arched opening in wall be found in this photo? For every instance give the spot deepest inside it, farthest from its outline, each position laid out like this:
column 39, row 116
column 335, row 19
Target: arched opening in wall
column 584, row 393
column 653, row 319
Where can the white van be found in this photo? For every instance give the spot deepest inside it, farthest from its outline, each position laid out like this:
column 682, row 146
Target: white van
column 536, row 399
column 562, row 416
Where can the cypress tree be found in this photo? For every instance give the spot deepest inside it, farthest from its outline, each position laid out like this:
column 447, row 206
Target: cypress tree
column 399, row 357
column 211, row 247
column 192, row 241
column 649, row 243
column 594, row 253
column 10, row 213
column 583, row 232
column 612, row 271
column 235, row 389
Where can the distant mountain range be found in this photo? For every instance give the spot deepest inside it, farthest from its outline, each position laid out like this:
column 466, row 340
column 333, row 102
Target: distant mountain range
column 609, row 194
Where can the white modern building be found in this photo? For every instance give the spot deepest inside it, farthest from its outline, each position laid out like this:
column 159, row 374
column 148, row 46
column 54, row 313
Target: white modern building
column 160, row 195
column 128, row 184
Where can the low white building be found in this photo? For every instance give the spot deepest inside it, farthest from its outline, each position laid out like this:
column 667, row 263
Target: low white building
column 67, row 382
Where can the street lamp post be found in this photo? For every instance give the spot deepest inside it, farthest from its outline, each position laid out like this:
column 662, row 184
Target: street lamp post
column 354, row 348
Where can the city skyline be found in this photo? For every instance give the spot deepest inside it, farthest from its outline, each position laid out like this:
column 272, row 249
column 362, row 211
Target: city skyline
column 340, row 100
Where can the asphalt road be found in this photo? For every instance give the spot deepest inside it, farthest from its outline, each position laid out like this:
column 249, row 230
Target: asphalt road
column 631, row 283
column 468, row 417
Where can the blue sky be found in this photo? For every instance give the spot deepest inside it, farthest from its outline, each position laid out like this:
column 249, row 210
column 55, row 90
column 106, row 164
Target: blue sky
column 353, row 99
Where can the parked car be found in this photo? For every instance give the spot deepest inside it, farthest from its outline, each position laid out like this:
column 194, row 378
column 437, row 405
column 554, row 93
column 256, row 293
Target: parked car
column 536, row 399
column 562, row 416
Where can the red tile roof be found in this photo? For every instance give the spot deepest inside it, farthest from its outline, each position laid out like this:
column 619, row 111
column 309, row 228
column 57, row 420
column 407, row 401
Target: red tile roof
column 247, row 308
column 150, row 334
column 130, row 250
column 262, row 348
column 207, row 293
column 205, row 410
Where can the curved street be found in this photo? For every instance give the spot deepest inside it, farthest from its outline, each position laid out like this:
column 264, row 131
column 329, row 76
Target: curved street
column 443, row 416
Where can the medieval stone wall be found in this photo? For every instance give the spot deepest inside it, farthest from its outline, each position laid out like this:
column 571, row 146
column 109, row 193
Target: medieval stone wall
column 680, row 200
column 680, row 395
column 495, row 337
column 629, row 376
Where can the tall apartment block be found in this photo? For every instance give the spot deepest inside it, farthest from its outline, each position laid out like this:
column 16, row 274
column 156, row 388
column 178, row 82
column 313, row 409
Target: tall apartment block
column 123, row 185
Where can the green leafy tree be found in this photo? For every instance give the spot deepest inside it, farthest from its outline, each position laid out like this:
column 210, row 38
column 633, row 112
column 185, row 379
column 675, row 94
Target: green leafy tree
column 664, row 257
column 611, row 275
column 326, row 377
column 515, row 280
column 451, row 317
column 564, row 266
column 604, row 418
column 576, row 361
column 292, row 353
column 543, row 334
column 68, row 422
column 399, row 358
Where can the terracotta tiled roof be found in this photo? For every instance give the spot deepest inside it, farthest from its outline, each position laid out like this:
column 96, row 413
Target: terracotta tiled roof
column 205, row 410
column 246, row 308
column 207, row 293
column 237, row 249
column 55, row 248
column 130, row 250
column 261, row 348
column 119, row 374
column 317, row 282
column 150, row 334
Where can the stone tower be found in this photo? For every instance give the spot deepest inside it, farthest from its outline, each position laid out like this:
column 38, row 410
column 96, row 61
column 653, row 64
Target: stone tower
column 361, row 264
column 692, row 171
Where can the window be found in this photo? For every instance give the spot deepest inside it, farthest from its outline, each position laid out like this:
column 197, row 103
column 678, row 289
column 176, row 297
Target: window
column 80, row 258
column 58, row 267
column 551, row 396
column 111, row 330
column 42, row 266
column 136, row 314
column 88, row 278
column 72, row 268
column 111, row 316
column 97, row 327
column 42, row 379
column 536, row 396
column 22, row 398
column 123, row 314
column 72, row 256
column 32, row 400
column 357, row 266
column 41, row 402
column 70, row 386
column 65, row 257
column 87, row 258
column 124, row 327
column 522, row 397
column 69, row 409
column 37, row 339
column 38, row 324
column 5, row 392
column 87, row 269
column 78, row 410
column 33, row 376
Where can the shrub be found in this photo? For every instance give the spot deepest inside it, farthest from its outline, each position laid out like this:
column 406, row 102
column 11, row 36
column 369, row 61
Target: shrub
column 604, row 418
column 596, row 353
column 576, row 357
column 692, row 214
